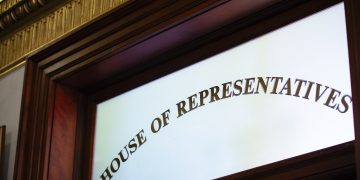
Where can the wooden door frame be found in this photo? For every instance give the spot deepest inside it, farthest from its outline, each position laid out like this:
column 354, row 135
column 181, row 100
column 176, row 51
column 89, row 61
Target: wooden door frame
column 135, row 44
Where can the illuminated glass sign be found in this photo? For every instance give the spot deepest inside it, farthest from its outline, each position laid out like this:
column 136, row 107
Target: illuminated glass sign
column 280, row 95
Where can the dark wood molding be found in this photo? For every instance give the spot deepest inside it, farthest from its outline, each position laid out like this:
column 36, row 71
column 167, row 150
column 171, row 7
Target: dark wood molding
column 63, row 135
column 352, row 8
column 35, row 127
column 139, row 42
column 315, row 165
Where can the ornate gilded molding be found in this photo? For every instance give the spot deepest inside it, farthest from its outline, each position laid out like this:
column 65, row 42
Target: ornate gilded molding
column 17, row 10
column 7, row 4
column 58, row 23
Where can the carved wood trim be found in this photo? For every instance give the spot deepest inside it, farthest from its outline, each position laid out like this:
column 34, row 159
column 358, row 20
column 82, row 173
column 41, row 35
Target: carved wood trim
column 18, row 11
column 32, row 25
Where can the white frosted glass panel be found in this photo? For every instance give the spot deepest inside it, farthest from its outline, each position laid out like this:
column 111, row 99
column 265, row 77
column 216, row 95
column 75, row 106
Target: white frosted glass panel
column 280, row 95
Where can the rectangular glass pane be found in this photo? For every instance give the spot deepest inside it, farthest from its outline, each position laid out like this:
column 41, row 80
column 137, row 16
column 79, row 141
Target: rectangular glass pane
column 280, row 95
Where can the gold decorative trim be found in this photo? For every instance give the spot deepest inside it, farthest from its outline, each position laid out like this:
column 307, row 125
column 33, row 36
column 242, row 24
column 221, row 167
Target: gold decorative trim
column 12, row 67
column 7, row 4
column 49, row 28
column 18, row 11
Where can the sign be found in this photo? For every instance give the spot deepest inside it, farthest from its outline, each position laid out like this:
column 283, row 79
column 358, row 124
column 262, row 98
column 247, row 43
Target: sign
column 280, row 95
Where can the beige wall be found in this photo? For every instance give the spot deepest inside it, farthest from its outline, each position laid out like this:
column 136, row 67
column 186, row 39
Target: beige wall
column 10, row 102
